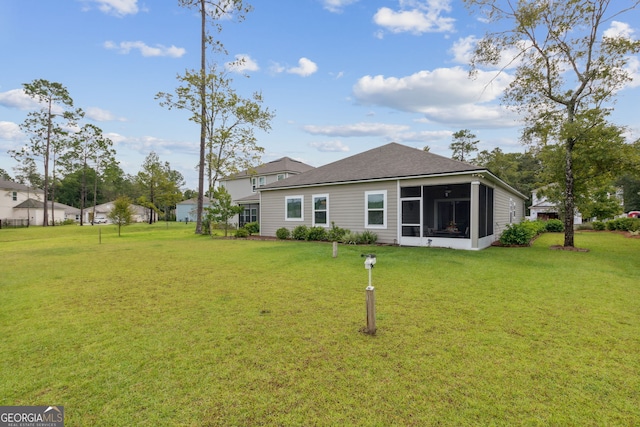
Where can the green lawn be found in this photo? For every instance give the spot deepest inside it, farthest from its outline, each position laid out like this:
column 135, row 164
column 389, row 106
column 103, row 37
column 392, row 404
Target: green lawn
column 164, row 328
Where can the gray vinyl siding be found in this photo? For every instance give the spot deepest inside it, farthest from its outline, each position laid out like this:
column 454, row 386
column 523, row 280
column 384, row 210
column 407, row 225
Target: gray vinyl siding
column 502, row 210
column 346, row 208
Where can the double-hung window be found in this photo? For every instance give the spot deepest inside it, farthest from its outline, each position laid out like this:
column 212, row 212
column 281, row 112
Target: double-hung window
column 294, row 208
column 321, row 210
column 375, row 209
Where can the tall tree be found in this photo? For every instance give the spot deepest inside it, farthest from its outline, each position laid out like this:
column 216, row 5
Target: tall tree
column 520, row 170
column 231, row 144
column 464, row 143
column 213, row 11
column 89, row 148
column 160, row 184
column 566, row 66
column 44, row 127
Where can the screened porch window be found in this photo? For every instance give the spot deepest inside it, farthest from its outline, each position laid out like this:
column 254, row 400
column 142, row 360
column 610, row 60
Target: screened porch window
column 447, row 210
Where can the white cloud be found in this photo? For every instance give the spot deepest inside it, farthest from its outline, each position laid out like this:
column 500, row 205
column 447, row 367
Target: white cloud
column 445, row 94
column 100, row 115
column 330, row 147
column 336, row 6
column 10, row 131
column 118, row 7
column 145, row 50
column 17, row 98
column 356, row 129
column 305, row 68
column 416, row 17
column 619, row 29
column 242, row 64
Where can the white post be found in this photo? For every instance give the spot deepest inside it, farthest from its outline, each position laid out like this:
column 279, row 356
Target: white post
column 335, row 249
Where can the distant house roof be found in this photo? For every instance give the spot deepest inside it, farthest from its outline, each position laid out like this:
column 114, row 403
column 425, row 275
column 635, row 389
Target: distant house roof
column 10, row 185
column 38, row 204
column 193, row 201
column 284, row 164
column 387, row 162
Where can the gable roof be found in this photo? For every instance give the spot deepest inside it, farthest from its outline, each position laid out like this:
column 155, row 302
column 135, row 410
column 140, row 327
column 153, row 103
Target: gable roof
column 284, row 164
column 386, row 162
column 39, row 204
column 10, row 185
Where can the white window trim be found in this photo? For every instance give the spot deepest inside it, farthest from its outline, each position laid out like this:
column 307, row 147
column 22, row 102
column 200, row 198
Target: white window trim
column 384, row 210
column 313, row 208
column 286, row 211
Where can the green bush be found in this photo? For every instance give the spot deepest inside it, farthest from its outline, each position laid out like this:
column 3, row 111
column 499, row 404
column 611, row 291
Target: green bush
column 554, row 226
column 242, row 233
column 316, row 233
column 283, row 233
column 336, row 234
column 252, row 228
column 350, row 238
column 599, row 225
column 518, row 234
column 367, row 238
column 624, row 224
column 300, row 232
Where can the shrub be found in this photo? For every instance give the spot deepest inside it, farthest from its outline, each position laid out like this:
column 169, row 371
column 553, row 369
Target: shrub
column 242, row 233
column 283, row 233
column 599, row 225
column 518, row 234
column 554, row 226
column 252, row 228
column 316, row 233
column 300, row 232
column 350, row 238
column 367, row 238
column 336, row 234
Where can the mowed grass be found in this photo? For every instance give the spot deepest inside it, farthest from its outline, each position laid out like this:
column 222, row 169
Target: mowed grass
column 161, row 327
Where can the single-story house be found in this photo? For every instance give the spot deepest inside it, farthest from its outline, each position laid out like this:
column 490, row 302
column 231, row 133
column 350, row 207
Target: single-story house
column 33, row 210
column 186, row 210
column 102, row 211
column 406, row 196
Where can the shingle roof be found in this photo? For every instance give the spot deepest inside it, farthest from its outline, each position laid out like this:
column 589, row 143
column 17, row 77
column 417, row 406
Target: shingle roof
column 39, row 204
column 285, row 164
column 10, row 185
column 389, row 161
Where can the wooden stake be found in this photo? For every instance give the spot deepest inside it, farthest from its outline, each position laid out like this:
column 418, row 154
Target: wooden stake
column 371, row 310
column 335, row 249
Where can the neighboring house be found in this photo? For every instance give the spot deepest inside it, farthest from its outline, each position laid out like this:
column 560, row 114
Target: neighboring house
column 34, row 210
column 12, row 195
column 243, row 186
column 406, row 196
column 186, row 210
column 140, row 213
column 543, row 210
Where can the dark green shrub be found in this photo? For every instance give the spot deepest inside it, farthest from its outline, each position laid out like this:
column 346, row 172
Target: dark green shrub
column 599, row 225
column 336, row 234
column 554, row 226
column 316, row 233
column 283, row 233
column 517, row 234
column 252, row 228
column 242, row 233
column 367, row 238
column 624, row 224
column 300, row 232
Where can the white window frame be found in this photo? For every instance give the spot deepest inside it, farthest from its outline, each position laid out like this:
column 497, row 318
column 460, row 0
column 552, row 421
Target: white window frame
column 281, row 176
column 313, row 208
column 384, row 209
column 286, row 210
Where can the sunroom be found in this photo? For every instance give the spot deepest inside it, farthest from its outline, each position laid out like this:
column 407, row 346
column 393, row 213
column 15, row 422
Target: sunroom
column 457, row 215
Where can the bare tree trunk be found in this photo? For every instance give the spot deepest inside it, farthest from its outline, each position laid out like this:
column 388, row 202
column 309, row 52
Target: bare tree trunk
column 203, row 115
column 569, row 201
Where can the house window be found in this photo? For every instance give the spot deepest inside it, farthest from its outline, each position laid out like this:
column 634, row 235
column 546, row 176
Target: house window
column 375, row 209
column 262, row 181
column 512, row 210
column 321, row 210
column 293, row 208
column 253, row 184
column 281, row 176
column 14, row 196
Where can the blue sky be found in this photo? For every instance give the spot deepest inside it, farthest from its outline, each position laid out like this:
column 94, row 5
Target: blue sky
column 342, row 76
